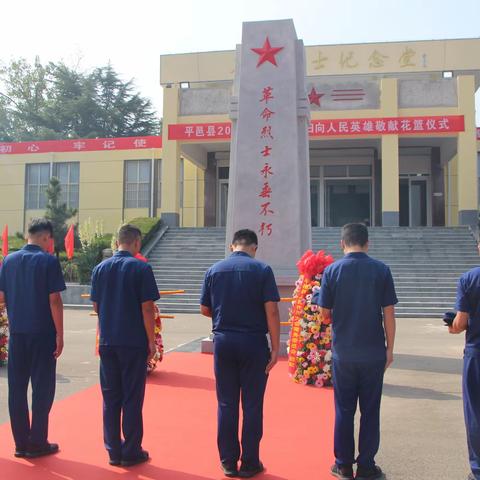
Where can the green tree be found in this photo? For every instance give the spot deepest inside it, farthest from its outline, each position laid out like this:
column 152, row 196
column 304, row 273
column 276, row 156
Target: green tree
column 54, row 101
column 58, row 213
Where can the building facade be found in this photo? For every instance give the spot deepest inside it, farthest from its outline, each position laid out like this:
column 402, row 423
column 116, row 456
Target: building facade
column 392, row 141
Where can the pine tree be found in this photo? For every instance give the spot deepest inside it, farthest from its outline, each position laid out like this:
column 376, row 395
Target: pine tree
column 58, row 213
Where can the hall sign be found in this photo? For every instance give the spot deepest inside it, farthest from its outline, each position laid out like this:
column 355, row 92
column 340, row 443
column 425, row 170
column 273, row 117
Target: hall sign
column 335, row 127
column 82, row 145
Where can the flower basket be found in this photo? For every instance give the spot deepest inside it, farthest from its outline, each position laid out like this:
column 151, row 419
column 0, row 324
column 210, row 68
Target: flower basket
column 310, row 339
column 3, row 335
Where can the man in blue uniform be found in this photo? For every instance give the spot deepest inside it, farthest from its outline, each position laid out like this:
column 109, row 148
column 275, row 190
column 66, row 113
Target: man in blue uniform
column 468, row 319
column 359, row 295
column 240, row 294
column 30, row 284
column 123, row 294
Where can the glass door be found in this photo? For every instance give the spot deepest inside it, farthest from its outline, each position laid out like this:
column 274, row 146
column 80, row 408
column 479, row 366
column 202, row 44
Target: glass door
column 418, row 203
column 222, row 203
column 413, row 202
column 347, row 201
column 315, row 201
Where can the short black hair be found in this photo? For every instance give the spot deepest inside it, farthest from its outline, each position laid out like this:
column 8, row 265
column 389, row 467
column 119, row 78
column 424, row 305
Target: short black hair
column 355, row 234
column 40, row 225
column 128, row 234
column 245, row 237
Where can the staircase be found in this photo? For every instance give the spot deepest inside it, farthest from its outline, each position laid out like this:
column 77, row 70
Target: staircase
column 425, row 262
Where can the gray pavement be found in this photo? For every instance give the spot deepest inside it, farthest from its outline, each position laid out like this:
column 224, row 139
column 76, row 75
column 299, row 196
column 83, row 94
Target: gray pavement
column 423, row 434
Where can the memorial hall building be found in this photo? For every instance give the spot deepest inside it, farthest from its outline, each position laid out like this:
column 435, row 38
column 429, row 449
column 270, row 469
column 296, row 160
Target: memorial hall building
column 392, row 142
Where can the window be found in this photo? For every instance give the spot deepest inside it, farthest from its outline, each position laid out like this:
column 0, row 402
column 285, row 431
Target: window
column 360, row 170
column 137, row 183
column 223, row 173
column 335, row 171
column 68, row 174
column 37, row 178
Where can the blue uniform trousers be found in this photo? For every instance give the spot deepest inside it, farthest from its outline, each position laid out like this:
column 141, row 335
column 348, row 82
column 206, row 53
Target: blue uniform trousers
column 123, row 373
column 30, row 358
column 471, row 407
column 362, row 383
column 240, row 360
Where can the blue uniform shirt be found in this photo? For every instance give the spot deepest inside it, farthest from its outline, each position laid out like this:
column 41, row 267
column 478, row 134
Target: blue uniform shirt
column 468, row 300
column 27, row 278
column 120, row 285
column 356, row 288
column 236, row 290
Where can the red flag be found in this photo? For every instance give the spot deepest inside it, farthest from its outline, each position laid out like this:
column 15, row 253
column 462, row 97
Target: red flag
column 51, row 246
column 5, row 241
column 69, row 242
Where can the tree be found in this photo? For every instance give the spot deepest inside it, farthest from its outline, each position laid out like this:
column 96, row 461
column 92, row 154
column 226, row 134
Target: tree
column 54, row 101
column 58, row 213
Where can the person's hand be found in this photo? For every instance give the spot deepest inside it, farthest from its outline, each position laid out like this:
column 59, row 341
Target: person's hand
column 272, row 362
column 59, row 349
column 453, row 330
column 389, row 358
column 152, row 350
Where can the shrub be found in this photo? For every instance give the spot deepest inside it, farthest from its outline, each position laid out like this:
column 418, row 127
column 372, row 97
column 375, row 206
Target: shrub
column 93, row 242
column 70, row 271
column 148, row 226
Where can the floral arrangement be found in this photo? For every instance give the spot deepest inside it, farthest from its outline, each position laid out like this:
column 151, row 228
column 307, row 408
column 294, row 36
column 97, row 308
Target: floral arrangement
column 3, row 335
column 158, row 357
column 310, row 335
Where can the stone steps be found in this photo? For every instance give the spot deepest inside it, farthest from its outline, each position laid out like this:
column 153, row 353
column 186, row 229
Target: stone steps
column 425, row 263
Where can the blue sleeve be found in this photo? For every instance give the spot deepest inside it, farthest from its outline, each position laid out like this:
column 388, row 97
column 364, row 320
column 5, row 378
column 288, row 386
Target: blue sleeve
column 324, row 297
column 389, row 294
column 205, row 298
column 2, row 277
column 462, row 304
column 94, row 289
column 56, row 283
column 270, row 290
column 149, row 288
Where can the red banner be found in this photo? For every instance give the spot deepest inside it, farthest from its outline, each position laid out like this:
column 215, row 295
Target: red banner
column 478, row 133
column 387, row 126
column 335, row 127
column 196, row 131
column 82, row 145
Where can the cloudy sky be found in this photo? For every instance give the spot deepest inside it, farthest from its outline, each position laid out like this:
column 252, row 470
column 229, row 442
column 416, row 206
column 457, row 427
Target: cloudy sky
column 133, row 34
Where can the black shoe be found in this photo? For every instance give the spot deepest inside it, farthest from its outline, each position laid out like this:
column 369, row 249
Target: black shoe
column 247, row 471
column 344, row 472
column 142, row 458
column 20, row 452
column 34, row 451
column 230, row 469
column 114, row 462
column 374, row 473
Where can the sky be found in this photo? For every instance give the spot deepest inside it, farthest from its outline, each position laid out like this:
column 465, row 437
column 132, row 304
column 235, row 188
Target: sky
column 133, row 34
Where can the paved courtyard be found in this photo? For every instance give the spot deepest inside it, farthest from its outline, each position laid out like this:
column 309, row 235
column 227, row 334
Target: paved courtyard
column 422, row 424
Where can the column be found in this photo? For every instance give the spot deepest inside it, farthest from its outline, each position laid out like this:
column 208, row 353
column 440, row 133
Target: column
column 170, row 158
column 390, row 160
column 467, row 176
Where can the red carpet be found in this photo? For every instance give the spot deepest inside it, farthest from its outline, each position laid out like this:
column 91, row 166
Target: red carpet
column 180, row 430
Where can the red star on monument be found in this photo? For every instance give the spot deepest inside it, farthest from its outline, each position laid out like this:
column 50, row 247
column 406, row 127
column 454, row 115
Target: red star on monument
column 267, row 53
column 314, row 97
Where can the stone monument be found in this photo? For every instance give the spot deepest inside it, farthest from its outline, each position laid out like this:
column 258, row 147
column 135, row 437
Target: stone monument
column 269, row 181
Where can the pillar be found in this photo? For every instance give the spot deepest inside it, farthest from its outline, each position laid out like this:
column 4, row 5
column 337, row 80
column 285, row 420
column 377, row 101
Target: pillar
column 390, row 160
column 170, row 158
column 467, row 176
